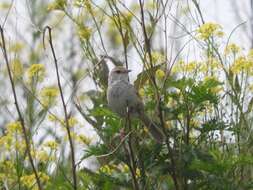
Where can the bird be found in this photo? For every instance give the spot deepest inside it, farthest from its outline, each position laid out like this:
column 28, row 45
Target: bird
column 122, row 96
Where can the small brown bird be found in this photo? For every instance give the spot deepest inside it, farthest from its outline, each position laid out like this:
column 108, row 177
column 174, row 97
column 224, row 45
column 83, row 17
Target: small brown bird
column 121, row 94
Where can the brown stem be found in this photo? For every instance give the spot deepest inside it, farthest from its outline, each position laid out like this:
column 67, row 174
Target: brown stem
column 131, row 152
column 118, row 24
column 159, row 104
column 65, row 110
column 21, row 119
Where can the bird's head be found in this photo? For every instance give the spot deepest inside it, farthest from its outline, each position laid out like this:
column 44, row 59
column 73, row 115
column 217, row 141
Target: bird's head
column 118, row 73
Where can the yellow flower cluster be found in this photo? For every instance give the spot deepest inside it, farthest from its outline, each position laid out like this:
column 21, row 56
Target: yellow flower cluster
column 109, row 169
column 191, row 66
column 210, row 64
column 57, row 5
column 209, row 29
column 138, row 172
column 160, row 74
column 125, row 168
column 141, row 92
column 105, row 169
column 17, row 69
column 8, row 169
column 36, row 70
column 43, row 156
column 16, row 47
column 14, row 127
column 242, row 63
column 7, row 141
column 51, row 92
column 232, row 48
column 51, row 144
column 48, row 95
column 72, row 121
column 157, row 57
column 84, row 32
column 182, row 66
column 29, row 181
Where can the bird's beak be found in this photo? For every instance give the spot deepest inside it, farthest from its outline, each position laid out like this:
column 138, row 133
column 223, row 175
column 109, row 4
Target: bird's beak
column 128, row 70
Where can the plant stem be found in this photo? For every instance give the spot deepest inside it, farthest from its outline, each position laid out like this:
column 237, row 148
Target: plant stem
column 21, row 119
column 72, row 151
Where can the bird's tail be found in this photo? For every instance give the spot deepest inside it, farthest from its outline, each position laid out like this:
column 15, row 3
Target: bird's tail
column 155, row 132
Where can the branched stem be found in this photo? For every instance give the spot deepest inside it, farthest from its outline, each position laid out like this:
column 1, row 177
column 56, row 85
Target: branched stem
column 21, row 119
column 64, row 109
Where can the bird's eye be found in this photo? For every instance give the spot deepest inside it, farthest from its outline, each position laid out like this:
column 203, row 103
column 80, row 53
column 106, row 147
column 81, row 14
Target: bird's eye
column 117, row 71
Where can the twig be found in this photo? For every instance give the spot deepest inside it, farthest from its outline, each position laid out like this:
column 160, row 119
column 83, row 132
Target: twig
column 21, row 119
column 64, row 108
column 113, row 151
column 159, row 105
column 110, row 153
column 131, row 152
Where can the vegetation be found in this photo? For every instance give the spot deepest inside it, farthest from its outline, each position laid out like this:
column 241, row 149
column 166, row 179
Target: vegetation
column 57, row 131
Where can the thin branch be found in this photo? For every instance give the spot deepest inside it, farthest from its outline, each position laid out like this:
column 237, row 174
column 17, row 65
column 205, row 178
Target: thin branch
column 64, row 109
column 21, row 119
column 129, row 150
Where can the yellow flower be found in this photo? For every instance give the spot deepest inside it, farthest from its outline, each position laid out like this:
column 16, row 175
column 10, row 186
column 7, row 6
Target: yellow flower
column 50, row 92
column 73, row 121
column 240, row 64
column 84, row 32
column 176, row 69
column 208, row 30
column 48, row 95
column 125, row 168
column 105, row 169
column 43, row 156
column 57, row 5
column 145, row 129
column 138, row 172
column 17, row 68
column 44, row 177
column 6, row 141
column 51, row 144
column 29, row 181
column 160, row 74
column 17, row 47
column 20, row 145
column 14, row 127
column 210, row 78
column 232, row 48
column 141, row 92
column 36, row 70
column 157, row 57
column 191, row 66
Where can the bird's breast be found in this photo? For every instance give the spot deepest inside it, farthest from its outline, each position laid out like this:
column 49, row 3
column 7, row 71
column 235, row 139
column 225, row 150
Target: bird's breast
column 117, row 98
